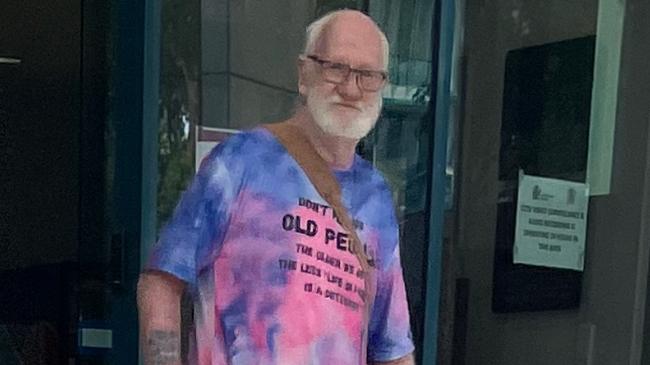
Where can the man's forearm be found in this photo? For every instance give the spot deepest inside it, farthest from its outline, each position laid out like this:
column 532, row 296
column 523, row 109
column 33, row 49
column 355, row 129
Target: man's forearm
column 406, row 360
column 159, row 309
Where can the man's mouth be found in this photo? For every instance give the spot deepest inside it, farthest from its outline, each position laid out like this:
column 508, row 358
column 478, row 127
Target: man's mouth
column 348, row 106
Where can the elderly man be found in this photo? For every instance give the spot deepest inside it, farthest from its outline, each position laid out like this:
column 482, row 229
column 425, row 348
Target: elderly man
column 274, row 275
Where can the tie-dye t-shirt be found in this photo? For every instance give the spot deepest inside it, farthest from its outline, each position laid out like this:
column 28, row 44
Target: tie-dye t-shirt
column 270, row 267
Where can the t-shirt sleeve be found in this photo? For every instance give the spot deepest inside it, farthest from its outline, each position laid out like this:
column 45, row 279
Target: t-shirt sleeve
column 194, row 233
column 390, row 332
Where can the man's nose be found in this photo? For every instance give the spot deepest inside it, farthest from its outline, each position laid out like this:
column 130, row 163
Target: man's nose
column 350, row 89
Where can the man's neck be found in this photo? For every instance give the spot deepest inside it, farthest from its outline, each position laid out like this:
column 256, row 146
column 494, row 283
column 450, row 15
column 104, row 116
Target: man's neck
column 338, row 152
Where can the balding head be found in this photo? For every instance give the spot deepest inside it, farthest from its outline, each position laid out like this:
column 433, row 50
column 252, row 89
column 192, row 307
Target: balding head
column 351, row 23
column 343, row 105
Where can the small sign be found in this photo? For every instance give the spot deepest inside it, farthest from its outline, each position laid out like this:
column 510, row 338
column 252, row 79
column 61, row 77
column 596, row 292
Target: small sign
column 208, row 138
column 94, row 337
column 551, row 222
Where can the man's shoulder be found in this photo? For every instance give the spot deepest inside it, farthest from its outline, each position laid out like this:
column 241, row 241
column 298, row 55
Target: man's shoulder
column 370, row 175
column 247, row 143
column 257, row 136
column 374, row 193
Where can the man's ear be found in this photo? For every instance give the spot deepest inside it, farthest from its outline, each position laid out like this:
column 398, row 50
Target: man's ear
column 302, row 76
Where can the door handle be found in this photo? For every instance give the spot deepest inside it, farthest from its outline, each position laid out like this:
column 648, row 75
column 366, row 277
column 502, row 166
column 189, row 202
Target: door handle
column 116, row 265
column 10, row 61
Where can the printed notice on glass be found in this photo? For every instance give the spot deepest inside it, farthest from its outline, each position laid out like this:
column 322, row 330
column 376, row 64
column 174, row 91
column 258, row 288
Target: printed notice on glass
column 551, row 222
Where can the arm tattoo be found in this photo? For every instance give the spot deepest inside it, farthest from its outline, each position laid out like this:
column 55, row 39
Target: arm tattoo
column 162, row 347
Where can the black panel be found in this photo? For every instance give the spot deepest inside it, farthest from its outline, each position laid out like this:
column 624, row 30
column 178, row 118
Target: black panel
column 544, row 132
column 39, row 110
column 40, row 104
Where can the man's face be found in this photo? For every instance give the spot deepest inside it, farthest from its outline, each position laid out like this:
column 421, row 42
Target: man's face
column 344, row 109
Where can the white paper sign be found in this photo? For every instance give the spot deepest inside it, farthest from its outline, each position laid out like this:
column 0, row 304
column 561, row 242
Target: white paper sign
column 208, row 138
column 551, row 222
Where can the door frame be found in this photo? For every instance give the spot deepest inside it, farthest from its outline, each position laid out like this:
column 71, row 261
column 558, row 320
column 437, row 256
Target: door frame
column 134, row 110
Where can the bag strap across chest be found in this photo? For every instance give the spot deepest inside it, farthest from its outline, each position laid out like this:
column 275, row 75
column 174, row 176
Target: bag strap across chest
column 325, row 183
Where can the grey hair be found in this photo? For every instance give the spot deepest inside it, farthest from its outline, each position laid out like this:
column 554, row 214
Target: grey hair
column 315, row 30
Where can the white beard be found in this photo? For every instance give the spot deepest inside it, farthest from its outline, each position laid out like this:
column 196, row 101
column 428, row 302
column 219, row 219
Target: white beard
column 338, row 125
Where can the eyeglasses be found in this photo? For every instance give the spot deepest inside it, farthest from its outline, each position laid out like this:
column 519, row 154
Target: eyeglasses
column 338, row 73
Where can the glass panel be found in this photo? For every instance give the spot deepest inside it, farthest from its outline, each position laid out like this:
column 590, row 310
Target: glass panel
column 180, row 109
column 54, row 211
column 400, row 145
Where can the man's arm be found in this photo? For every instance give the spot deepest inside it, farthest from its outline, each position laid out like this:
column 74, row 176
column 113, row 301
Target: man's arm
column 159, row 303
column 406, row 360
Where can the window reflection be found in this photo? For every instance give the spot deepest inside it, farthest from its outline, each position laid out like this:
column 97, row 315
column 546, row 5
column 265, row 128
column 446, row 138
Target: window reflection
column 180, row 66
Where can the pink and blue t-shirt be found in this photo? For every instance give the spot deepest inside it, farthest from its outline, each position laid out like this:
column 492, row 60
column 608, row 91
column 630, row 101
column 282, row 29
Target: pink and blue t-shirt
column 270, row 268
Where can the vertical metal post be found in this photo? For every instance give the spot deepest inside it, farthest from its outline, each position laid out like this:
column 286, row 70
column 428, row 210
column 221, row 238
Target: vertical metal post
column 150, row 125
column 442, row 38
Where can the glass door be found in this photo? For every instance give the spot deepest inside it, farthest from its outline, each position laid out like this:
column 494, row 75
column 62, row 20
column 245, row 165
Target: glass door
column 39, row 162
column 68, row 231
column 105, row 326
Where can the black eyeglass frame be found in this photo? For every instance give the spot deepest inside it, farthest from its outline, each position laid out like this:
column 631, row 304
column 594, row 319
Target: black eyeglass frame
column 347, row 70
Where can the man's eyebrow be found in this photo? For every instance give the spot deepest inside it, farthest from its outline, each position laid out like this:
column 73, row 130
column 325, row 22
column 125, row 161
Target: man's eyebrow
column 361, row 66
column 341, row 60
